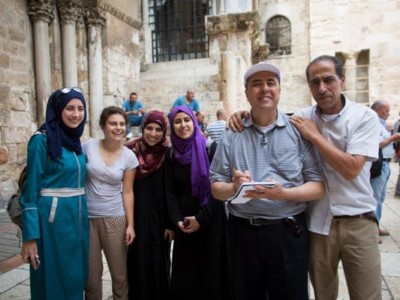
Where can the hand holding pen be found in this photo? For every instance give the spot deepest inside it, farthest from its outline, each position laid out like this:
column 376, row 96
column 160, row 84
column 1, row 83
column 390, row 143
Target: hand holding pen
column 238, row 177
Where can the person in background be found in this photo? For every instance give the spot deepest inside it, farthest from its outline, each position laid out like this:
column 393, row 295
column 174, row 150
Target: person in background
column 199, row 259
column 396, row 128
column 135, row 111
column 268, row 233
column 216, row 128
column 342, row 226
column 149, row 255
column 201, row 120
column 379, row 183
column 188, row 100
column 55, row 230
column 111, row 169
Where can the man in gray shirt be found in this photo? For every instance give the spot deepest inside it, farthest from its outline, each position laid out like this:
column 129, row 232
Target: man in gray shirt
column 268, row 233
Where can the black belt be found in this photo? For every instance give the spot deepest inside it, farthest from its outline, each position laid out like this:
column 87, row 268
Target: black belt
column 266, row 222
column 387, row 159
column 367, row 215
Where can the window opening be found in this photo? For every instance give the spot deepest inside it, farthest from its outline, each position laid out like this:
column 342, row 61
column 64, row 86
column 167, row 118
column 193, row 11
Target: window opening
column 279, row 36
column 178, row 30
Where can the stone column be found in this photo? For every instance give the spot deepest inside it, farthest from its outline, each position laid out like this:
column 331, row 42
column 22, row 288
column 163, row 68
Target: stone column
column 95, row 20
column 69, row 14
column 228, row 81
column 255, row 5
column 222, row 8
column 236, row 37
column 238, row 6
column 147, row 50
column 41, row 13
column 351, row 75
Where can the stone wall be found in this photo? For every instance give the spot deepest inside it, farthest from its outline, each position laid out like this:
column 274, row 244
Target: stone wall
column 295, row 93
column 160, row 84
column 17, row 105
column 351, row 26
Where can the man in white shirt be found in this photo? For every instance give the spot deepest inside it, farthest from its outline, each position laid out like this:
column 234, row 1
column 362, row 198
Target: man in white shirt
column 342, row 226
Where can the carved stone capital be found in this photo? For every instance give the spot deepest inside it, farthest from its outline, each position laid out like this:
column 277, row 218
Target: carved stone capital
column 42, row 10
column 217, row 26
column 248, row 21
column 95, row 16
column 69, row 11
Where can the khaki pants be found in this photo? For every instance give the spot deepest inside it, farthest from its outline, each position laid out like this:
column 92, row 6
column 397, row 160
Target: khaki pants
column 355, row 243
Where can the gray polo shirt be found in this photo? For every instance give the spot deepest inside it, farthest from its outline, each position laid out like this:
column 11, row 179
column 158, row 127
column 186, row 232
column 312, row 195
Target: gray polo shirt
column 280, row 154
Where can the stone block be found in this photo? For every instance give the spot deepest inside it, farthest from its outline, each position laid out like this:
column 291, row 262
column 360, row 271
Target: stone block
column 17, row 34
column 14, row 134
column 3, row 156
column 20, row 119
column 5, row 61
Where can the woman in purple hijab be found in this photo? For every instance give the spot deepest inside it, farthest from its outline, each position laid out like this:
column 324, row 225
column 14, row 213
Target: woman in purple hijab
column 199, row 261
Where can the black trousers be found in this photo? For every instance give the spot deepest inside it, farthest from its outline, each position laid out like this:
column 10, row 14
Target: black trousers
column 269, row 261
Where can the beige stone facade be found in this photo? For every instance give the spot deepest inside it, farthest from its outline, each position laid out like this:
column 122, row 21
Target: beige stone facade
column 105, row 47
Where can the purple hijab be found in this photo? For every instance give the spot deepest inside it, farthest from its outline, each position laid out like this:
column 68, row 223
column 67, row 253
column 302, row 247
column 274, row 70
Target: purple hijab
column 193, row 151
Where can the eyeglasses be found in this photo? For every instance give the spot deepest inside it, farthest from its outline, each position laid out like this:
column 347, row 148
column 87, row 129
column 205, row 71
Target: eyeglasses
column 66, row 90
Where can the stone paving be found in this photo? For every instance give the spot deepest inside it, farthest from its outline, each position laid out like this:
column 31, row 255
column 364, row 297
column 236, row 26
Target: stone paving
column 14, row 275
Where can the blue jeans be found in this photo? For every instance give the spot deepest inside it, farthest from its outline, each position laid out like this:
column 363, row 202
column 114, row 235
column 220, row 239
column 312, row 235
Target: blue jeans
column 379, row 184
column 135, row 122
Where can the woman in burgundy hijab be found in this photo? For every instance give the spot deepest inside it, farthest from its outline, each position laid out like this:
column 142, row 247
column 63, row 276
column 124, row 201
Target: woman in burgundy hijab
column 199, row 262
column 148, row 256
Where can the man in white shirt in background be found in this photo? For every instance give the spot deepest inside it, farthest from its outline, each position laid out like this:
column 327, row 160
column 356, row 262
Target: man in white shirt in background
column 216, row 128
column 379, row 183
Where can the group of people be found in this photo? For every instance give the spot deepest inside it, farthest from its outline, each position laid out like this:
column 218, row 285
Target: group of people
column 136, row 113
column 83, row 200
column 130, row 201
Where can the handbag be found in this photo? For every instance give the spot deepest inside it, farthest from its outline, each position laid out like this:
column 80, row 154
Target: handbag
column 376, row 167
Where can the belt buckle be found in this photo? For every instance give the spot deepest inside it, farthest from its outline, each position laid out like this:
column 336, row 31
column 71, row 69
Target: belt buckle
column 254, row 224
column 290, row 220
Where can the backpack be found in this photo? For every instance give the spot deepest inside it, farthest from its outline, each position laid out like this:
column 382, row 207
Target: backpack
column 14, row 208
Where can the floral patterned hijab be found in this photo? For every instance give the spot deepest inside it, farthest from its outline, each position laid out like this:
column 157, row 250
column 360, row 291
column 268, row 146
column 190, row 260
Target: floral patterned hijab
column 150, row 158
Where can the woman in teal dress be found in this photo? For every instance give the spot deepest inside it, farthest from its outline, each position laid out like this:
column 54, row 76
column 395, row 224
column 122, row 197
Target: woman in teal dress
column 55, row 223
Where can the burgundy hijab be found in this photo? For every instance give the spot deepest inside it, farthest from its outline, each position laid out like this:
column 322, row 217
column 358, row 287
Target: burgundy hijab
column 192, row 151
column 150, row 158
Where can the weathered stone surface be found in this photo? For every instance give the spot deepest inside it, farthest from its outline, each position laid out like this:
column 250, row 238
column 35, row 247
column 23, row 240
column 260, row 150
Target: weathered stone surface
column 3, row 156
column 5, row 61
column 14, row 135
